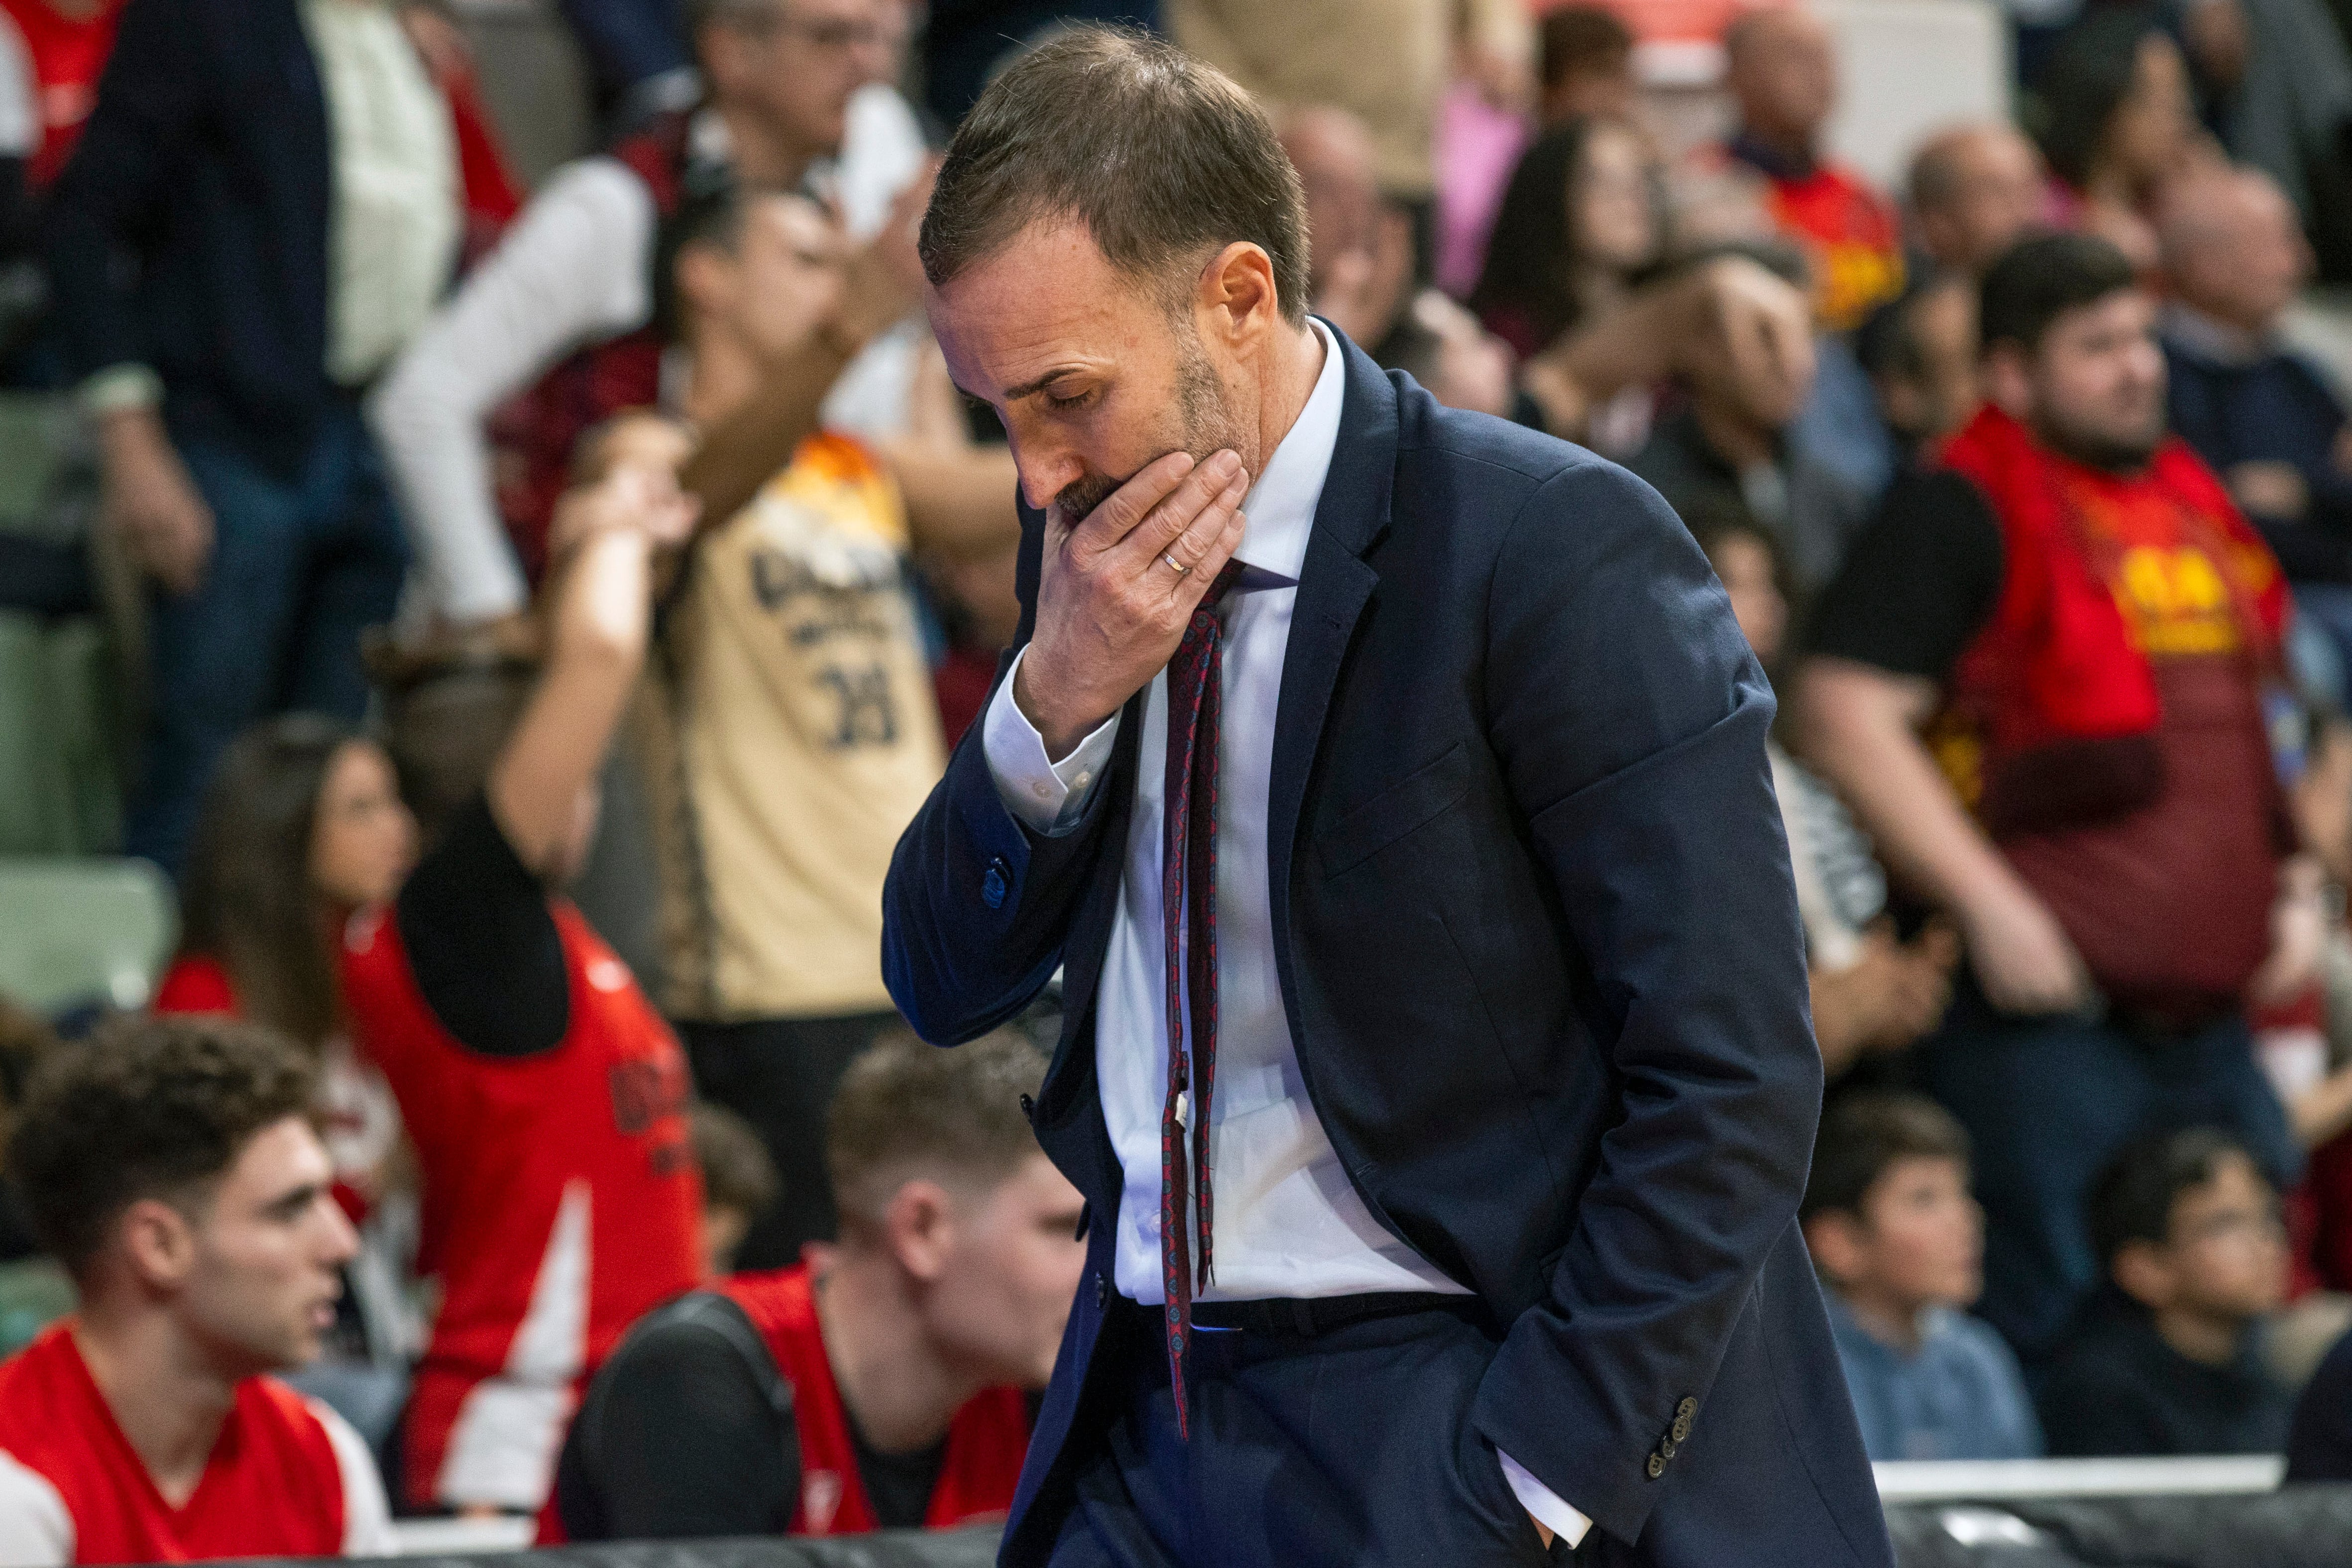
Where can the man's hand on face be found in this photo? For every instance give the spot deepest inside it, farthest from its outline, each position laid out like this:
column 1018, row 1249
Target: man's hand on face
column 1112, row 604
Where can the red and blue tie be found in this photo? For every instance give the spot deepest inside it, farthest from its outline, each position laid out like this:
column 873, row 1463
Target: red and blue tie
column 1188, row 899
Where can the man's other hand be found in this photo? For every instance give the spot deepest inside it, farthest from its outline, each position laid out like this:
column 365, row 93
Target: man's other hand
column 148, row 499
column 1111, row 604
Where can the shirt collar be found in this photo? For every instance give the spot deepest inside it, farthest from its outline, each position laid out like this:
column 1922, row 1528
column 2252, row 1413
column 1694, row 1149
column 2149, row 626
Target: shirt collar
column 2215, row 340
column 1281, row 505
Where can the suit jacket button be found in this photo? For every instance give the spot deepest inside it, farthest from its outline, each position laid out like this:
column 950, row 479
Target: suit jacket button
column 1667, row 1449
column 1682, row 1429
column 992, row 885
column 1657, row 1467
column 1687, row 1409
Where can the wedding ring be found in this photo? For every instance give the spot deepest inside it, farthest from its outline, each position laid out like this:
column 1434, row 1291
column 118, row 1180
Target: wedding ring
column 1178, row 567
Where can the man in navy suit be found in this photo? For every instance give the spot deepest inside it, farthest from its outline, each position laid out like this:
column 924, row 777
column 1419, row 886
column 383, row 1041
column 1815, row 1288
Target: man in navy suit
column 1388, row 785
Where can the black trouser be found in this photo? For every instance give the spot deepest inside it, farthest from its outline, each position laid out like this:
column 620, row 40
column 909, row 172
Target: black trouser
column 779, row 1075
column 1347, row 1446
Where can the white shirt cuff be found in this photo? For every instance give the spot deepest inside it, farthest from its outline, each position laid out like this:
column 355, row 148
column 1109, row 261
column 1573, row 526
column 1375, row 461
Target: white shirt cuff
column 1543, row 1502
column 1048, row 796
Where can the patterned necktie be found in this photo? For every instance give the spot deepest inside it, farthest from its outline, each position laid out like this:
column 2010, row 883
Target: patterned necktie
column 1188, row 861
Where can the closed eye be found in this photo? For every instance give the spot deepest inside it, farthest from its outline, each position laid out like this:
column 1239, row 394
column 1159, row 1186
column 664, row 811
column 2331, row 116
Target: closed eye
column 1070, row 404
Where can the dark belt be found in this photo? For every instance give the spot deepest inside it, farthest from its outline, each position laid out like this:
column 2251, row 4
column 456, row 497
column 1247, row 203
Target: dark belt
column 1304, row 1318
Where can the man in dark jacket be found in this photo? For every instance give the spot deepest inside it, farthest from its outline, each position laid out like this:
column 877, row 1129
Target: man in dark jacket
column 263, row 207
column 2234, row 260
column 1433, row 969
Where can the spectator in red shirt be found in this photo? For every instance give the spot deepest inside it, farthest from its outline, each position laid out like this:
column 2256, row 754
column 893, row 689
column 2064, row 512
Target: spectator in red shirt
column 543, row 1094
column 880, row 1386
column 2041, row 681
column 170, row 1165
column 1783, row 71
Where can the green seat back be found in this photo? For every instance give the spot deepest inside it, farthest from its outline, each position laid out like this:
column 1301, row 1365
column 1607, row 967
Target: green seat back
column 80, row 931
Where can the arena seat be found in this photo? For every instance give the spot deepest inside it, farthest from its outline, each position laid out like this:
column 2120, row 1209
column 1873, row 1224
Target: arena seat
column 83, row 930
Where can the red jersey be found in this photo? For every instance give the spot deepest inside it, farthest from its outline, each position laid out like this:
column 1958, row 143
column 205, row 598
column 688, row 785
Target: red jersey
column 987, row 1438
column 286, row 1478
column 2106, row 723
column 559, row 1202
column 66, row 58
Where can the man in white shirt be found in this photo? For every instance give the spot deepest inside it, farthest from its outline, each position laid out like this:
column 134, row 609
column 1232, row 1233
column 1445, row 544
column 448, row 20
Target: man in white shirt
column 795, row 97
column 1390, row 785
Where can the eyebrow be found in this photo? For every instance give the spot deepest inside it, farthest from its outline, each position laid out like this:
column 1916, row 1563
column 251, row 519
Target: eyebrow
column 294, row 1200
column 1032, row 388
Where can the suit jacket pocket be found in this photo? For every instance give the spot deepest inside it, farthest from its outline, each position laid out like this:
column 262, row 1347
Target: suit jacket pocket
column 1425, row 793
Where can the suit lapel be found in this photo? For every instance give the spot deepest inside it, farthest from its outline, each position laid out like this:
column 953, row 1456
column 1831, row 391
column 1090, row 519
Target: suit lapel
column 1333, row 587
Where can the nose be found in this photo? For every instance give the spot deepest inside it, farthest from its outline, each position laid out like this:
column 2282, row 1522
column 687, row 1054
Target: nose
column 342, row 1239
column 1046, row 469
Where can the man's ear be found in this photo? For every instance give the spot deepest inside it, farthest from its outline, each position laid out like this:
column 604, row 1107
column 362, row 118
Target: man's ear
column 1237, row 294
column 158, row 1243
column 919, row 1228
column 2144, row 1272
column 1836, row 1242
column 2006, row 378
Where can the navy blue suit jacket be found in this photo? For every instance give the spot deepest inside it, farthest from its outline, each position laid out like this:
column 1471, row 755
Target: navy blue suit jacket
column 189, row 230
column 1540, row 955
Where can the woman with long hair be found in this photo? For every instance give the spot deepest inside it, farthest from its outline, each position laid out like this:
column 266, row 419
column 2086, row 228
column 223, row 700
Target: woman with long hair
column 302, row 824
column 303, row 827
column 2118, row 115
column 1581, row 218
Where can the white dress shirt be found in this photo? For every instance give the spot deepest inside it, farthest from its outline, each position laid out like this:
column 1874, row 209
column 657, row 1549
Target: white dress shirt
column 1288, row 1221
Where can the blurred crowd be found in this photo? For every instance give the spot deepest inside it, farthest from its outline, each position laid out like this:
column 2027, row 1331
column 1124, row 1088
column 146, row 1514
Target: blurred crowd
column 473, row 538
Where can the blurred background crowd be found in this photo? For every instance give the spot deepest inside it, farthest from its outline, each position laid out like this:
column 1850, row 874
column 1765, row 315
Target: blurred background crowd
column 491, row 559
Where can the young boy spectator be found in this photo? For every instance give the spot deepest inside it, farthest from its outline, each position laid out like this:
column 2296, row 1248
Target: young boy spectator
column 1900, row 1245
column 542, row 1093
column 881, row 1388
column 2088, row 621
column 171, row 1166
column 2168, row 1360
column 1781, row 68
column 739, row 1183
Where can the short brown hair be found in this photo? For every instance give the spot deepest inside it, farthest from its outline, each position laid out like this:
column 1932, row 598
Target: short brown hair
column 736, row 1171
column 905, row 1109
column 1161, row 156
column 1864, row 1135
column 148, row 1108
